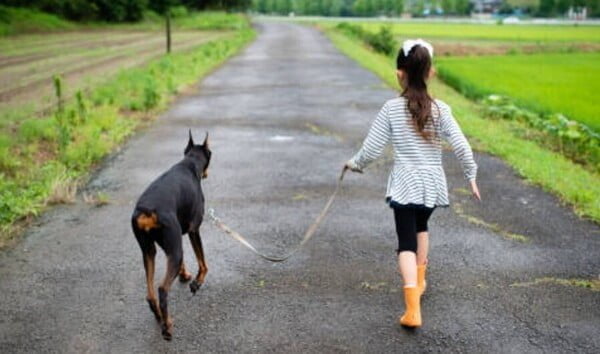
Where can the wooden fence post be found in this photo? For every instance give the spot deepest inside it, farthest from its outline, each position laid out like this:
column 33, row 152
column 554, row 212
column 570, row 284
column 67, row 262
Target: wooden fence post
column 168, row 32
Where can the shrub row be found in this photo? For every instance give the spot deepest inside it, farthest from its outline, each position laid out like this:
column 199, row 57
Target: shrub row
column 382, row 41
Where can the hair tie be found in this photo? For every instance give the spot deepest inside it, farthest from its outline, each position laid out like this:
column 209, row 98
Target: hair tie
column 409, row 44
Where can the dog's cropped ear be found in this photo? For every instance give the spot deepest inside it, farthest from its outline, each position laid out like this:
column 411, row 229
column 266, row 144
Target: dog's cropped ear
column 190, row 144
column 205, row 143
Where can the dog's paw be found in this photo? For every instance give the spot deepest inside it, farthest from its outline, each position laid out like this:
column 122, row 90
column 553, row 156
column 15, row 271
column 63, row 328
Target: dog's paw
column 167, row 332
column 194, row 286
column 155, row 310
column 185, row 277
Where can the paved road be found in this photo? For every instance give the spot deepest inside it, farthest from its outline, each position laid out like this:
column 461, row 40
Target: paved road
column 283, row 116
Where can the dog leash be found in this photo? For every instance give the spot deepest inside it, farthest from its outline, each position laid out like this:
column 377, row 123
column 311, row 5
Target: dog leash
column 307, row 235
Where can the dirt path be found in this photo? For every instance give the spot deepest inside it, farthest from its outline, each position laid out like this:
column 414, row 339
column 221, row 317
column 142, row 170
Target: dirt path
column 75, row 283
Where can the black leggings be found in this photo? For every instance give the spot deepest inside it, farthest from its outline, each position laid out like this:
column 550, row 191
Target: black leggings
column 409, row 222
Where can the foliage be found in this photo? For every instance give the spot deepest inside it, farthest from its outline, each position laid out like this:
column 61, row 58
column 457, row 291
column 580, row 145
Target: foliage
column 49, row 152
column 543, row 167
column 568, row 137
column 417, row 8
column 382, row 41
column 212, row 20
column 330, row 7
column 122, row 10
column 13, row 20
column 551, row 8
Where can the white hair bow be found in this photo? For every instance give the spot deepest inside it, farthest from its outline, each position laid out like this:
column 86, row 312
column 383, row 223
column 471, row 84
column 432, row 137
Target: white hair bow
column 408, row 45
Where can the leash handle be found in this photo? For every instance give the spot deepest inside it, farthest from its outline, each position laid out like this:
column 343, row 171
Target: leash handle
column 310, row 232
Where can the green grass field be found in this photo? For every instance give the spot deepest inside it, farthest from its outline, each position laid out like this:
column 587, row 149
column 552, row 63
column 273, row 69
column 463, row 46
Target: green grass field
column 564, row 83
column 550, row 170
column 530, row 33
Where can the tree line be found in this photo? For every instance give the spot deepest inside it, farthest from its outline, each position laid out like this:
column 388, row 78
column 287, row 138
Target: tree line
column 330, row 7
column 360, row 7
column 121, row 10
column 551, row 8
column 543, row 8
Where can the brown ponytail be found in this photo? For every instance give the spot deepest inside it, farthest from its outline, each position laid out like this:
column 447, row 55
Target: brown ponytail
column 416, row 66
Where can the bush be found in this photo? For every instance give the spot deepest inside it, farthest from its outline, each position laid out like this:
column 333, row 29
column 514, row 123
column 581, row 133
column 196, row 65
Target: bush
column 382, row 41
column 178, row 11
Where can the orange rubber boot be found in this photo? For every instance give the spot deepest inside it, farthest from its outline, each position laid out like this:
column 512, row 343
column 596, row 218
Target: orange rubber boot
column 412, row 316
column 421, row 283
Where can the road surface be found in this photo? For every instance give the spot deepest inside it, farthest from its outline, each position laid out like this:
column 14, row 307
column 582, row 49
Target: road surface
column 283, row 117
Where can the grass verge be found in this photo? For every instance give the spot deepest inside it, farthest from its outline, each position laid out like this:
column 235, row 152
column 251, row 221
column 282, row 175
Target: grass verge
column 46, row 157
column 551, row 171
column 591, row 284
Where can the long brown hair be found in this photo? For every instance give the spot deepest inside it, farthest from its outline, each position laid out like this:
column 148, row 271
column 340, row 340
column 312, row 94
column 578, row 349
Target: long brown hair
column 416, row 65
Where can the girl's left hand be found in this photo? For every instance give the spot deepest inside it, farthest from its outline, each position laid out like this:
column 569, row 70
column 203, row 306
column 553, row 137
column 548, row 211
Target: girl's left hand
column 475, row 190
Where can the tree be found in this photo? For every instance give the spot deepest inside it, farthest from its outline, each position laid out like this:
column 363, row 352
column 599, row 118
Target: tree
column 260, row 5
column 336, row 8
column 449, row 7
column 463, row 7
column 283, row 7
column 398, row 7
column 546, row 8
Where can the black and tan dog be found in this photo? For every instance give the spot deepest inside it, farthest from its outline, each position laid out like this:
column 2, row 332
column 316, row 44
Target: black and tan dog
column 170, row 207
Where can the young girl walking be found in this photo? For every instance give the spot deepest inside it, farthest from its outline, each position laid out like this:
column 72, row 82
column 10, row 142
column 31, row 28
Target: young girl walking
column 415, row 123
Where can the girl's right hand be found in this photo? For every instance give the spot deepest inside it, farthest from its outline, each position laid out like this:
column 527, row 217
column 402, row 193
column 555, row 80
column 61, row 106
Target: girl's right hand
column 475, row 190
column 352, row 167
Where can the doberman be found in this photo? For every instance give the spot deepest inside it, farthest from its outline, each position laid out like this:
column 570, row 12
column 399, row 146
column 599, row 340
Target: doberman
column 170, row 207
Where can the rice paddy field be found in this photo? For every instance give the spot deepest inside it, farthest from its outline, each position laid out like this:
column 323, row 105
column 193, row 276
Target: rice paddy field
column 530, row 33
column 563, row 83
column 547, row 68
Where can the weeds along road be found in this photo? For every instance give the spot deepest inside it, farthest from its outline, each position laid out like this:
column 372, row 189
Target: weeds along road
column 283, row 117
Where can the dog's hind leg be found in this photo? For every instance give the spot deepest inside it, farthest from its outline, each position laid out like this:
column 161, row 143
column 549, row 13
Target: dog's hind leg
column 199, row 251
column 149, row 254
column 171, row 243
column 184, row 275
column 151, row 297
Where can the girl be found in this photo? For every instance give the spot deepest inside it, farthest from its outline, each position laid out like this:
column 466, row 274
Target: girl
column 415, row 123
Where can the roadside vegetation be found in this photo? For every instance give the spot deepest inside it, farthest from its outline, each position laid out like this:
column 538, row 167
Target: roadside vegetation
column 15, row 21
column 46, row 153
column 574, row 178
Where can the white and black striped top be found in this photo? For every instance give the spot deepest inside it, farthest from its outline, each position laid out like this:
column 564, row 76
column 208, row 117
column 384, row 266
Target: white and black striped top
column 417, row 176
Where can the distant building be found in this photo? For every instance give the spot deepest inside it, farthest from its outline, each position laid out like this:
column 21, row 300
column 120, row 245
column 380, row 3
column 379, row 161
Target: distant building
column 486, row 6
column 577, row 13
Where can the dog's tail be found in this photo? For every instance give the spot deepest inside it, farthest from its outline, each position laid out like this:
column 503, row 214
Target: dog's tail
column 145, row 219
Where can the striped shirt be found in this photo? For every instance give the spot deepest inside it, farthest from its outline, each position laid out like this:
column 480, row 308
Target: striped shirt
column 417, row 176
